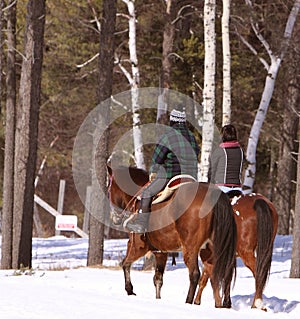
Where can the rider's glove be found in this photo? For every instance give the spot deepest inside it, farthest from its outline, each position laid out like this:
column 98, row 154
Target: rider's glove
column 152, row 177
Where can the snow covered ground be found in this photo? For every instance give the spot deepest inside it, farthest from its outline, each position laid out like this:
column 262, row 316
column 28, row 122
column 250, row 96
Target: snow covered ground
column 50, row 291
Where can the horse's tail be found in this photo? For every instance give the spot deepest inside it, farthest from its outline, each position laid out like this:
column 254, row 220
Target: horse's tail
column 224, row 243
column 265, row 239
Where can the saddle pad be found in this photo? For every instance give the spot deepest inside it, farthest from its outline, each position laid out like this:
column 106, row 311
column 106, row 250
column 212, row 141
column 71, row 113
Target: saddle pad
column 172, row 185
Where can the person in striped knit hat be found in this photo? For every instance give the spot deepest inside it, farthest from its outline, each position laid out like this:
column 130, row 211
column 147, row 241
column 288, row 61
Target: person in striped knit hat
column 175, row 153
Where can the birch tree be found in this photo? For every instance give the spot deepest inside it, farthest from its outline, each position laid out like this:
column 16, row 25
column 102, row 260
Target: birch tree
column 272, row 69
column 209, row 87
column 134, row 79
column 226, row 114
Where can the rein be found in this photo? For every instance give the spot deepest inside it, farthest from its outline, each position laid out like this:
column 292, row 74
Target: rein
column 129, row 208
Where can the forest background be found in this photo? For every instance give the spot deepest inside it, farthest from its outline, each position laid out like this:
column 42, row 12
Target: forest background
column 70, row 74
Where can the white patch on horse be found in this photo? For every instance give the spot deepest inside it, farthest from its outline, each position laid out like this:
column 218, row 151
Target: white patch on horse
column 237, row 213
column 235, row 199
column 259, row 304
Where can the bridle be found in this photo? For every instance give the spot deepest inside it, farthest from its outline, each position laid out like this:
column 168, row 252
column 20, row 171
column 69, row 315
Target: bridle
column 119, row 215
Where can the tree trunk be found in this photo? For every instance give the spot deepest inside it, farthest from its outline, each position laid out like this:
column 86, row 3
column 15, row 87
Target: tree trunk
column 167, row 47
column 209, row 87
column 226, row 114
column 285, row 171
column 10, row 124
column 295, row 266
column 99, row 207
column 266, row 96
column 1, row 51
column 257, row 124
column 27, row 134
column 135, row 80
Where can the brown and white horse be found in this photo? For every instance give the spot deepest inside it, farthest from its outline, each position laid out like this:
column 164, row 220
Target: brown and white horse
column 256, row 220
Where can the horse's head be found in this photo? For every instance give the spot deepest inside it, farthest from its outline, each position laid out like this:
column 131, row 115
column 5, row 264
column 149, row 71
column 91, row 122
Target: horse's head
column 124, row 185
column 117, row 204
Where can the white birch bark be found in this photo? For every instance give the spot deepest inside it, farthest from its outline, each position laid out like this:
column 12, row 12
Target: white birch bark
column 168, row 39
column 134, row 79
column 209, row 87
column 226, row 114
column 267, row 94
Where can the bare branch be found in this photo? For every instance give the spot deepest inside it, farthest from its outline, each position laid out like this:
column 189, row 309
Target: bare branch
column 43, row 163
column 179, row 14
column 257, row 33
column 289, row 27
column 95, row 16
column 88, row 61
column 9, row 6
column 123, row 69
column 123, row 15
column 253, row 50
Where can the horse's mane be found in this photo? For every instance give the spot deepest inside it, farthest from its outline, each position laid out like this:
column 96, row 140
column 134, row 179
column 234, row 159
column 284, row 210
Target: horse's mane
column 138, row 175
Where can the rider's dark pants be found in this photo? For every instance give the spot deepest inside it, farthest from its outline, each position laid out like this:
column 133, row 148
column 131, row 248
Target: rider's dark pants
column 152, row 189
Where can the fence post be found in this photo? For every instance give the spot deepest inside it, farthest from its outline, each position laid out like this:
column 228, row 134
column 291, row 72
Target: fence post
column 87, row 209
column 37, row 221
column 60, row 202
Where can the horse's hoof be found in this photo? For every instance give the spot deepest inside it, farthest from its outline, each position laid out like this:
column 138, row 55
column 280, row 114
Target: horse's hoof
column 227, row 305
column 258, row 304
column 131, row 293
column 262, row 308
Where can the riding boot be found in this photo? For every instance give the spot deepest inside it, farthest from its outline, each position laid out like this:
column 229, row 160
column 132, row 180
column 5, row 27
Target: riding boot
column 140, row 223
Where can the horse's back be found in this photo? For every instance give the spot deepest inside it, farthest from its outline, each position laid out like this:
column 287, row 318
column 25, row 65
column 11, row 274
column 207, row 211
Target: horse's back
column 244, row 205
column 180, row 216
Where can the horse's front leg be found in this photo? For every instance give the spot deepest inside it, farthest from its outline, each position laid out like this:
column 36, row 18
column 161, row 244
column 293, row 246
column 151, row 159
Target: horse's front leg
column 126, row 269
column 136, row 248
column 160, row 264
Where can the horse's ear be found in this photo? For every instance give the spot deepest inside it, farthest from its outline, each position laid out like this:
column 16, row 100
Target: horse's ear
column 109, row 170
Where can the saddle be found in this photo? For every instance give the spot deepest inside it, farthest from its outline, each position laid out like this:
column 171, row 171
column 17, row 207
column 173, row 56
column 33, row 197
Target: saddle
column 172, row 185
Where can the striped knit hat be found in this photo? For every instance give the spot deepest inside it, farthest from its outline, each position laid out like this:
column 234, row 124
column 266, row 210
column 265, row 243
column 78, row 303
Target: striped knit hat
column 177, row 116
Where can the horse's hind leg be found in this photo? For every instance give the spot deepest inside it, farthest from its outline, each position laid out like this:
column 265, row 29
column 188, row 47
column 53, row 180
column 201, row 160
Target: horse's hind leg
column 202, row 284
column 205, row 255
column 160, row 264
column 191, row 261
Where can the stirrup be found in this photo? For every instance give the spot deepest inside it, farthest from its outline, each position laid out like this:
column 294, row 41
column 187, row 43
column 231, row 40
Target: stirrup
column 136, row 228
column 134, row 224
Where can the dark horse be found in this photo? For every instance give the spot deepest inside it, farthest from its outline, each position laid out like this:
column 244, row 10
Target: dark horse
column 256, row 220
column 196, row 213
